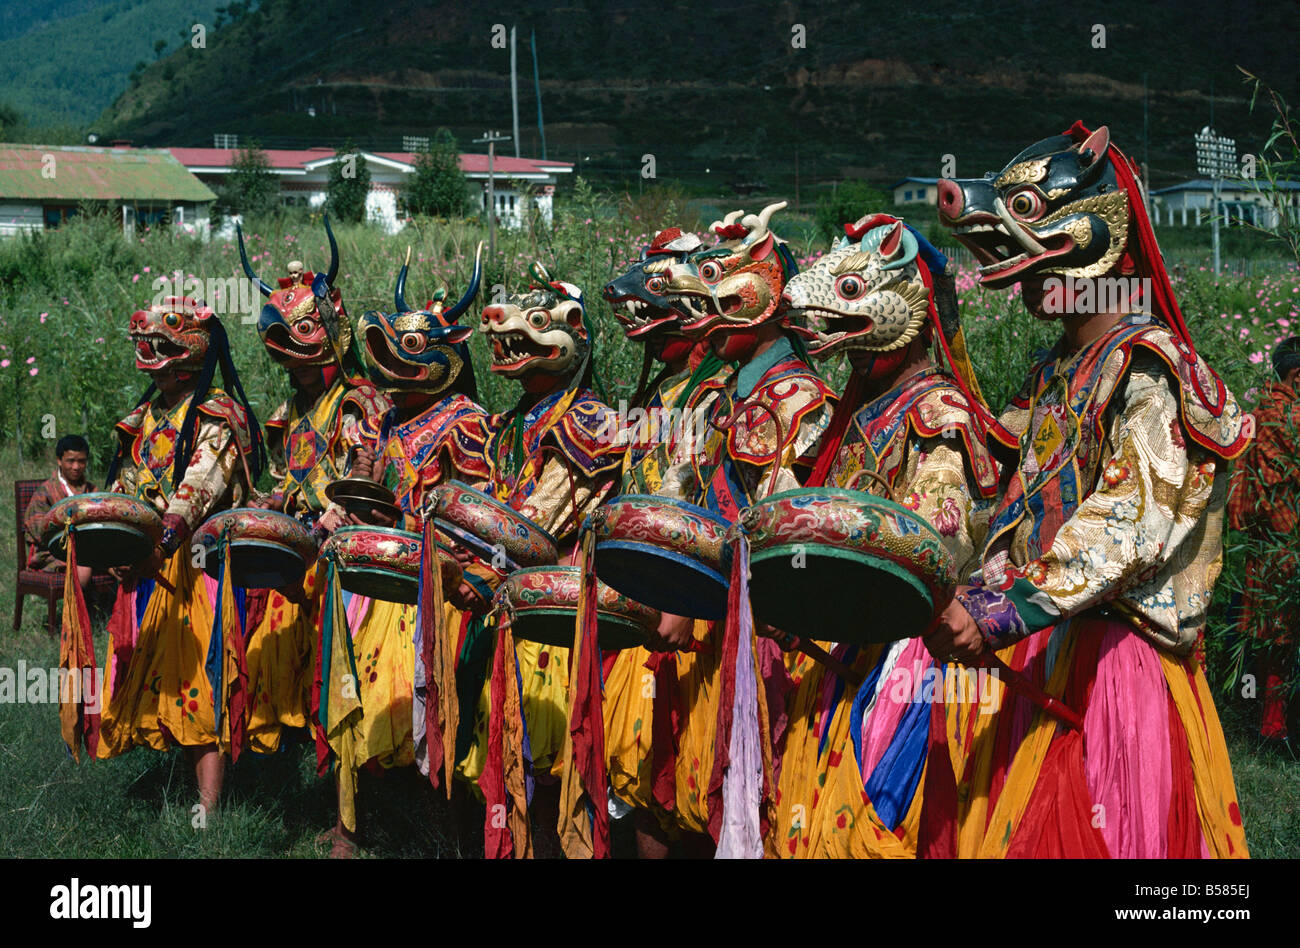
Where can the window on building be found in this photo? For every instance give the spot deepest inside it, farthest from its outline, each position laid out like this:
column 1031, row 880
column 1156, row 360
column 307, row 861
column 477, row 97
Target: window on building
column 907, row 195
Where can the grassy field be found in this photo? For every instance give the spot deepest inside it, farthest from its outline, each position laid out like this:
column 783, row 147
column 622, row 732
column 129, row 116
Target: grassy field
column 64, row 301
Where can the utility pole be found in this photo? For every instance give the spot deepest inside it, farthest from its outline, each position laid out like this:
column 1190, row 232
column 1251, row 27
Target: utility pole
column 537, row 88
column 514, row 89
column 1146, row 157
column 491, row 138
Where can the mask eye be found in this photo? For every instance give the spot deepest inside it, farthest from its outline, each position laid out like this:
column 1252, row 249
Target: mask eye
column 656, row 284
column 710, row 271
column 850, row 286
column 539, row 318
column 412, row 342
column 303, row 327
column 1026, row 204
column 173, row 320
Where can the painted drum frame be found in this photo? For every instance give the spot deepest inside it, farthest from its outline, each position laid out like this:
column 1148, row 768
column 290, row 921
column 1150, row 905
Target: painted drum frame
column 112, row 529
column 668, row 554
column 268, row 549
column 383, row 563
column 874, row 570
column 488, row 528
column 544, row 600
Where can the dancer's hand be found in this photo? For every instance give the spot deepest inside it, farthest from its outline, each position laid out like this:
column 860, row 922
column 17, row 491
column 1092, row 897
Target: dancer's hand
column 956, row 637
column 675, row 634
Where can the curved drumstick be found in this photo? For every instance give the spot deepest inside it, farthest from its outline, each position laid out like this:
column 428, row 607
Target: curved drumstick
column 867, row 472
column 573, row 487
column 755, row 402
column 1015, row 680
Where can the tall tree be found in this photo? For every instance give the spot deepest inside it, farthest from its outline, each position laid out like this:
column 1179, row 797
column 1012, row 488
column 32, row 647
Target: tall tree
column 438, row 188
column 252, row 189
column 349, row 183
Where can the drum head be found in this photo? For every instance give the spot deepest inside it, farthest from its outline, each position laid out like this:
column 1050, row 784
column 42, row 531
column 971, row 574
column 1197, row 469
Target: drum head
column 662, row 579
column 104, row 545
column 258, row 564
column 380, row 584
column 837, row 596
column 555, row 627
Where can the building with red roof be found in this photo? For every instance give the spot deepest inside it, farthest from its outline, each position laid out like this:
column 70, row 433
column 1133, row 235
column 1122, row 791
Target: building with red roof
column 304, row 177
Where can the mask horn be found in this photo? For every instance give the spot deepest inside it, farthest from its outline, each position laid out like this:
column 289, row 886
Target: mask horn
column 248, row 269
column 399, row 294
column 334, row 254
column 462, row 304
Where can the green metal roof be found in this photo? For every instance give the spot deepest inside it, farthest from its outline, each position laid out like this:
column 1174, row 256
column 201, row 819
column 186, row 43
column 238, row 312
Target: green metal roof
column 96, row 174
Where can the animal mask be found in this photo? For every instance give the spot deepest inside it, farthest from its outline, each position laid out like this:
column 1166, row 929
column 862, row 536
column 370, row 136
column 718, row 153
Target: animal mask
column 174, row 334
column 292, row 325
column 736, row 285
column 540, row 331
column 1055, row 209
column 418, row 350
column 865, row 294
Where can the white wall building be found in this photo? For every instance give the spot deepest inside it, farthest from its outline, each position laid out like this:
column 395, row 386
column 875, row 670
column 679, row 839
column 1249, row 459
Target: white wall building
column 916, row 191
column 304, row 179
column 41, row 186
column 1188, row 204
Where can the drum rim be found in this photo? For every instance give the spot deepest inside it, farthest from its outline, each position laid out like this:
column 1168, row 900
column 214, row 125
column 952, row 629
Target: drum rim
column 578, row 570
column 673, row 503
column 98, row 495
column 664, row 553
column 533, row 524
column 849, row 496
column 412, row 577
column 893, row 567
column 394, row 532
column 477, row 546
column 210, row 530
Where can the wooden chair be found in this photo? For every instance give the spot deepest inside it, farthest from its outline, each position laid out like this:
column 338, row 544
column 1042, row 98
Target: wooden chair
column 37, row 582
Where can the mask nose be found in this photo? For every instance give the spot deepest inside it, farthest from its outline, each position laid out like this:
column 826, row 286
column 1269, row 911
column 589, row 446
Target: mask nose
column 951, row 200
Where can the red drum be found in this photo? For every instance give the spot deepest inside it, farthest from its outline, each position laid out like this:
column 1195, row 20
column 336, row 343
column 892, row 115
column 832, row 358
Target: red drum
column 498, row 535
column 544, row 605
column 383, row 563
column 267, row 549
column 111, row 529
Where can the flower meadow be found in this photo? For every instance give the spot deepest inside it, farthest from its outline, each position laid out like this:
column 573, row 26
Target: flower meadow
column 65, row 297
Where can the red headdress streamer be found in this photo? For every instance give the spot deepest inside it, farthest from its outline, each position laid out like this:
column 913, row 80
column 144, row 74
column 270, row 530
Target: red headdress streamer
column 77, row 664
column 1144, row 252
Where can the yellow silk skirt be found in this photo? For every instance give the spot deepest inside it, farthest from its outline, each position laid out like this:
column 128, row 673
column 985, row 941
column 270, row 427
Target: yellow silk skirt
column 629, row 704
column 163, row 691
column 282, row 664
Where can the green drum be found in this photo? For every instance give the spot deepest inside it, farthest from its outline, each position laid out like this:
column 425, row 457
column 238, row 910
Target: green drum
column 844, row 565
column 666, row 553
column 543, row 602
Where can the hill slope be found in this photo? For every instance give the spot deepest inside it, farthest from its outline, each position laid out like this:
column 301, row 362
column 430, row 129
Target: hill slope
column 64, row 61
column 876, row 91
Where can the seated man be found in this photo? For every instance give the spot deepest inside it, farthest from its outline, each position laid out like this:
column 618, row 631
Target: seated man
column 69, row 478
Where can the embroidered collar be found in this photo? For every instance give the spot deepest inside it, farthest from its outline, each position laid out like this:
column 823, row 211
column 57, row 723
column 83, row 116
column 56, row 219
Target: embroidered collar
column 751, row 373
